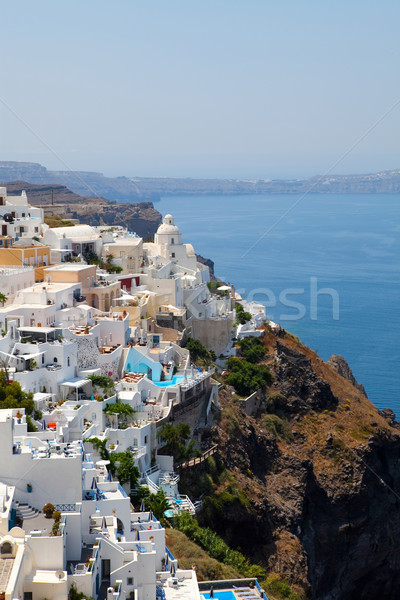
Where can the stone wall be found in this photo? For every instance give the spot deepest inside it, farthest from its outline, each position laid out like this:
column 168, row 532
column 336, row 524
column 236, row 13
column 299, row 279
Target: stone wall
column 252, row 403
column 214, row 334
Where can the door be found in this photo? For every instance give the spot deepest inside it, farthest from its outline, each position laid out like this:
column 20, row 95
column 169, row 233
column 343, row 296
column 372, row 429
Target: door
column 105, row 569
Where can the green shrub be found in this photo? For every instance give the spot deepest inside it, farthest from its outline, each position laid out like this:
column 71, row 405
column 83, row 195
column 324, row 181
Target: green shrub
column 279, row 587
column 278, row 426
column 252, row 349
column 198, row 352
column 176, row 438
column 247, row 377
column 215, row 546
column 242, row 316
column 275, row 402
column 30, row 425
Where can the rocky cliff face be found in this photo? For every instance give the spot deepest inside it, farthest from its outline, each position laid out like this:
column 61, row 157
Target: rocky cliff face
column 342, row 367
column 136, row 189
column 317, row 479
column 140, row 217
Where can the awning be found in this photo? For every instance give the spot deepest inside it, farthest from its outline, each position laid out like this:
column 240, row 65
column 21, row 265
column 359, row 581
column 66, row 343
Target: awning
column 24, row 356
column 170, row 307
column 76, row 382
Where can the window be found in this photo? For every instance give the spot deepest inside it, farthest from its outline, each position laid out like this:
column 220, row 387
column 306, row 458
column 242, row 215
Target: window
column 173, row 254
column 68, row 361
column 129, row 581
column 55, row 359
column 6, row 548
column 145, row 439
column 36, row 229
column 172, row 241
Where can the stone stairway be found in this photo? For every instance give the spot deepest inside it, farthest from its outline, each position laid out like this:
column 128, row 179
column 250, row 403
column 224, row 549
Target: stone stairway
column 26, row 512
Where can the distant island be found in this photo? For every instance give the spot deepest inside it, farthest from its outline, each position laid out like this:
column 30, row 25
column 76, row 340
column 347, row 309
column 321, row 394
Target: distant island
column 139, row 189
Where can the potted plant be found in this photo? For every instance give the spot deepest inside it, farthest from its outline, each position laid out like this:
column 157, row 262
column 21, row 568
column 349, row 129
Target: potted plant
column 29, row 488
column 48, row 510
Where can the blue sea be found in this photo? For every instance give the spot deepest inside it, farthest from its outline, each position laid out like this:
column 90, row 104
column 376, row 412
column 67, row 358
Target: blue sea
column 328, row 270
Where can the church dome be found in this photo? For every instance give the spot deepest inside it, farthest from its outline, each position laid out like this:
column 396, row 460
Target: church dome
column 168, row 226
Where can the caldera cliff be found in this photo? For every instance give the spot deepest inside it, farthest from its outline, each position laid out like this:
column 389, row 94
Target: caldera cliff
column 306, row 480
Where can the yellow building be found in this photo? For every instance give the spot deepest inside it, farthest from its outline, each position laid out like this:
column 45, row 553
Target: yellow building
column 23, row 256
column 98, row 294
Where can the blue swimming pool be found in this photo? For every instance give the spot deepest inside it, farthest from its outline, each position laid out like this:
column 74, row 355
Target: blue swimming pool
column 174, row 381
column 226, row 595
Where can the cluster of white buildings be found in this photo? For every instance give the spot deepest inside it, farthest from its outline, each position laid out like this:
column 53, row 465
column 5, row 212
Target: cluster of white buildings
column 63, row 324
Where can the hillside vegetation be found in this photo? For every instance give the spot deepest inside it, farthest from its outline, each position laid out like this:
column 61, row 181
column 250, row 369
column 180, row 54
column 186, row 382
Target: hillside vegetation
column 305, row 487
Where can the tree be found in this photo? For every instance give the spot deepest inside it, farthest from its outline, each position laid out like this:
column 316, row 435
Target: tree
column 12, row 395
column 124, row 411
column 252, row 349
column 3, row 298
column 198, row 352
column 104, row 382
column 122, row 464
column 242, row 316
column 100, row 446
column 175, row 438
column 158, row 503
column 247, row 377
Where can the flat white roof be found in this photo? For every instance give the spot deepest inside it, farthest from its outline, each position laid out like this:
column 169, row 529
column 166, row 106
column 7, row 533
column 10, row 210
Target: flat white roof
column 50, row 287
column 38, row 329
column 70, row 267
column 124, row 241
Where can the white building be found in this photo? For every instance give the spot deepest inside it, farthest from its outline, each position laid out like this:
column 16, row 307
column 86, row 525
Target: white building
column 126, row 251
column 71, row 241
column 18, row 219
column 13, row 279
column 100, row 545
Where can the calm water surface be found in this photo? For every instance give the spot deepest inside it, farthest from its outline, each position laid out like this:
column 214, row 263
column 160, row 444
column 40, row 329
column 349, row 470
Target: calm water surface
column 347, row 243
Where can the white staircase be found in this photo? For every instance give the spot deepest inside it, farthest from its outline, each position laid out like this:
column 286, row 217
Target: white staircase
column 25, row 511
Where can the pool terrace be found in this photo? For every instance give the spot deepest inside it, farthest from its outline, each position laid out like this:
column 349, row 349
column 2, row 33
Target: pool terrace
column 236, row 589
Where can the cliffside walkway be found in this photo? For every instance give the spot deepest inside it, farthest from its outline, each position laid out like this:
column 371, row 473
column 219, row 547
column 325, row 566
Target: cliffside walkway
column 198, row 460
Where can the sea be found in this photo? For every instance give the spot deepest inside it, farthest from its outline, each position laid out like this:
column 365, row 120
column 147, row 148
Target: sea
column 326, row 266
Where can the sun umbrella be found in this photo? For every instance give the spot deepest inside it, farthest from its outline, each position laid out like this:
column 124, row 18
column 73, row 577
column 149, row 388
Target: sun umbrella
column 173, row 569
column 104, row 525
column 150, row 515
column 94, row 484
column 142, row 506
column 137, row 535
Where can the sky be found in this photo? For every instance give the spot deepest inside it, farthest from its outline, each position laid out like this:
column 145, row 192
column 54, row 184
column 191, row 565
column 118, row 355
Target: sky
column 210, row 88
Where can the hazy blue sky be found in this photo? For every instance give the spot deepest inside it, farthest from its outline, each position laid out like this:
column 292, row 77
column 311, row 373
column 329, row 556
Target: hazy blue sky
column 214, row 88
